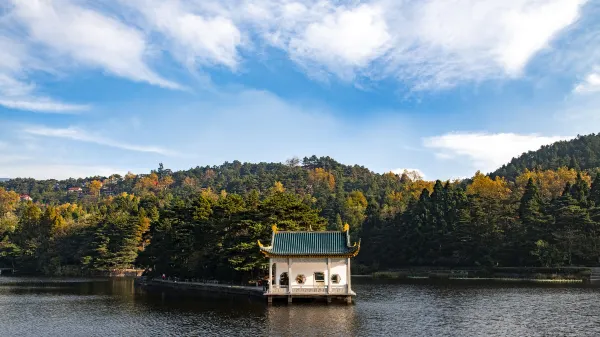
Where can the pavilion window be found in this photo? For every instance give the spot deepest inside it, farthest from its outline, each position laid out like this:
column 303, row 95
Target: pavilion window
column 319, row 276
column 283, row 279
column 335, row 278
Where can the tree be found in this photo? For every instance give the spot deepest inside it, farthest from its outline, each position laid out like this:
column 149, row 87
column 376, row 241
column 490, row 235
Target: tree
column 485, row 187
column 8, row 201
column 278, row 187
column 595, row 191
column 354, row 209
column 320, row 177
column 292, row 162
column 95, row 187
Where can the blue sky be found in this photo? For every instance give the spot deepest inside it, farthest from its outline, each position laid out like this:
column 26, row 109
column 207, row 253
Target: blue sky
column 445, row 87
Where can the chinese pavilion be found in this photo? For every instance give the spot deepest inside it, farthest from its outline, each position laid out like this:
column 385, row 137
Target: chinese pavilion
column 310, row 264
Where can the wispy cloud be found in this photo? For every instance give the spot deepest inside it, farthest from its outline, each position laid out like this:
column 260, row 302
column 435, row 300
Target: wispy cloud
column 77, row 134
column 88, row 37
column 486, row 151
column 57, row 171
column 17, row 94
column 426, row 45
column 37, row 104
column 194, row 37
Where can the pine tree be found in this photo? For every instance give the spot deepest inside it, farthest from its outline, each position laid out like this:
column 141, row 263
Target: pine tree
column 533, row 226
column 595, row 191
column 580, row 190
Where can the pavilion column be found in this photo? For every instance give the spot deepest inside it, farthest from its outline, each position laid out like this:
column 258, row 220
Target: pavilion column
column 290, row 277
column 348, row 276
column 270, row 274
column 277, row 277
column 328, row 275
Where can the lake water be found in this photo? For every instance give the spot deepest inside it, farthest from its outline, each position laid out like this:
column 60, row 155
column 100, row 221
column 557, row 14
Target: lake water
column 102, row 307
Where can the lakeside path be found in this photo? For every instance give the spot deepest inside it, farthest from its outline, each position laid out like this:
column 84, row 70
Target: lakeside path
column 210, row 287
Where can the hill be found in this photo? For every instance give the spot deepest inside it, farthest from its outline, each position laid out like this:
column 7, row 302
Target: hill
column 205, row 222
column 581, row 153
column 322, row 178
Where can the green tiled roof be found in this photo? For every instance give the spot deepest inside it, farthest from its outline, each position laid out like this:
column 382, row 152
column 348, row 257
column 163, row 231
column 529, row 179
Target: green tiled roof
column 310, row 243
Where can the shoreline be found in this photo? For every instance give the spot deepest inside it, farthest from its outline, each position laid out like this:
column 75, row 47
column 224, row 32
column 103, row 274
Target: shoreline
column 582, row 275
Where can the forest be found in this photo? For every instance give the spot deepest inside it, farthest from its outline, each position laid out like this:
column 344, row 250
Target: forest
column 205, row 222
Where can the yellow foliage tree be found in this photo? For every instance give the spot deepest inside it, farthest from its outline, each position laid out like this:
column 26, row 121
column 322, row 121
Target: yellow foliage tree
column 414, row 187
column 8, row 201
column 165, row 182
column 209, row 194
column 190, row 182
column 394, row 204
column 356, row 205
column 130, row 176
column 485, row 187
column 278, row 187
column 143, row 227
column 320, row 176
column 551, row 183
column 95, row 187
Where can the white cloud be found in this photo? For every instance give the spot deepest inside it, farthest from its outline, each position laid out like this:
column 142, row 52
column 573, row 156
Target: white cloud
column 414, row 174
column 590, row 84
column 428, row 44
column 344, row 40
column 85, row 136
column 88, row 37
column 442, row 43
column 192, row 38
column 486, row 151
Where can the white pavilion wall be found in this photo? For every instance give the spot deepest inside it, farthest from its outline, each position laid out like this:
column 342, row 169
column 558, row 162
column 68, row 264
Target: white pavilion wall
column 308, row 266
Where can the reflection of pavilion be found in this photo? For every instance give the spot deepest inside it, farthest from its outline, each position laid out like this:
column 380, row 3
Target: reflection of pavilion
column 318, row 263
column 312, row 320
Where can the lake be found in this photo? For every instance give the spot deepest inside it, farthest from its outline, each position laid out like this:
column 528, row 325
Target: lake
column 113, row 307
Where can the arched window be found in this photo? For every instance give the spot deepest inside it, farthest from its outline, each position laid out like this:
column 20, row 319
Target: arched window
column 335, row 278
column 284, row 279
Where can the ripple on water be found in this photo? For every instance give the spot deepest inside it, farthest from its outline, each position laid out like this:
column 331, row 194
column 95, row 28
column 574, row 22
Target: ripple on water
column 115, row 308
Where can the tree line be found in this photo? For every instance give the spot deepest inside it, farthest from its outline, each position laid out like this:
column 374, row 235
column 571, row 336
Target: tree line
column 205, row 222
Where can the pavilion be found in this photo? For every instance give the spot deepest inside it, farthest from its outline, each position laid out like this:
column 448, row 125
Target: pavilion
column 310, row 264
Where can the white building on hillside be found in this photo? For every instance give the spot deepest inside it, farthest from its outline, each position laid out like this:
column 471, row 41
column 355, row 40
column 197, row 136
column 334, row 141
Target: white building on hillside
column 310, row 264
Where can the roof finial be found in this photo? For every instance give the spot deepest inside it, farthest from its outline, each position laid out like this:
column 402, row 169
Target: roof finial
column 274, row 228
column 346, row 227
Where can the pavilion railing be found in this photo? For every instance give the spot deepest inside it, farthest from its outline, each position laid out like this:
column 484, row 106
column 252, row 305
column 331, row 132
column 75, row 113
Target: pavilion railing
column 309, row 289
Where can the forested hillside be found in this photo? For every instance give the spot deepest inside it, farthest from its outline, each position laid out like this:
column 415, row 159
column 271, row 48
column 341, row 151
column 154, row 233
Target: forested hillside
column 581, row 153
column 205, row 222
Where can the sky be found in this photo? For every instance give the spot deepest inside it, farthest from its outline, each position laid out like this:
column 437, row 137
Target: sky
column 446, row 87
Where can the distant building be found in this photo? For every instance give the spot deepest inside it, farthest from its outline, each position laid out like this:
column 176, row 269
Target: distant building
column 75, row 190
column 25, row 197
column 310, row 264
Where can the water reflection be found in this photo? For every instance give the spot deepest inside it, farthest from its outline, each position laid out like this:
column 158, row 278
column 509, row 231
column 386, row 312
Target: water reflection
column 102, row 307
column 315, row 319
